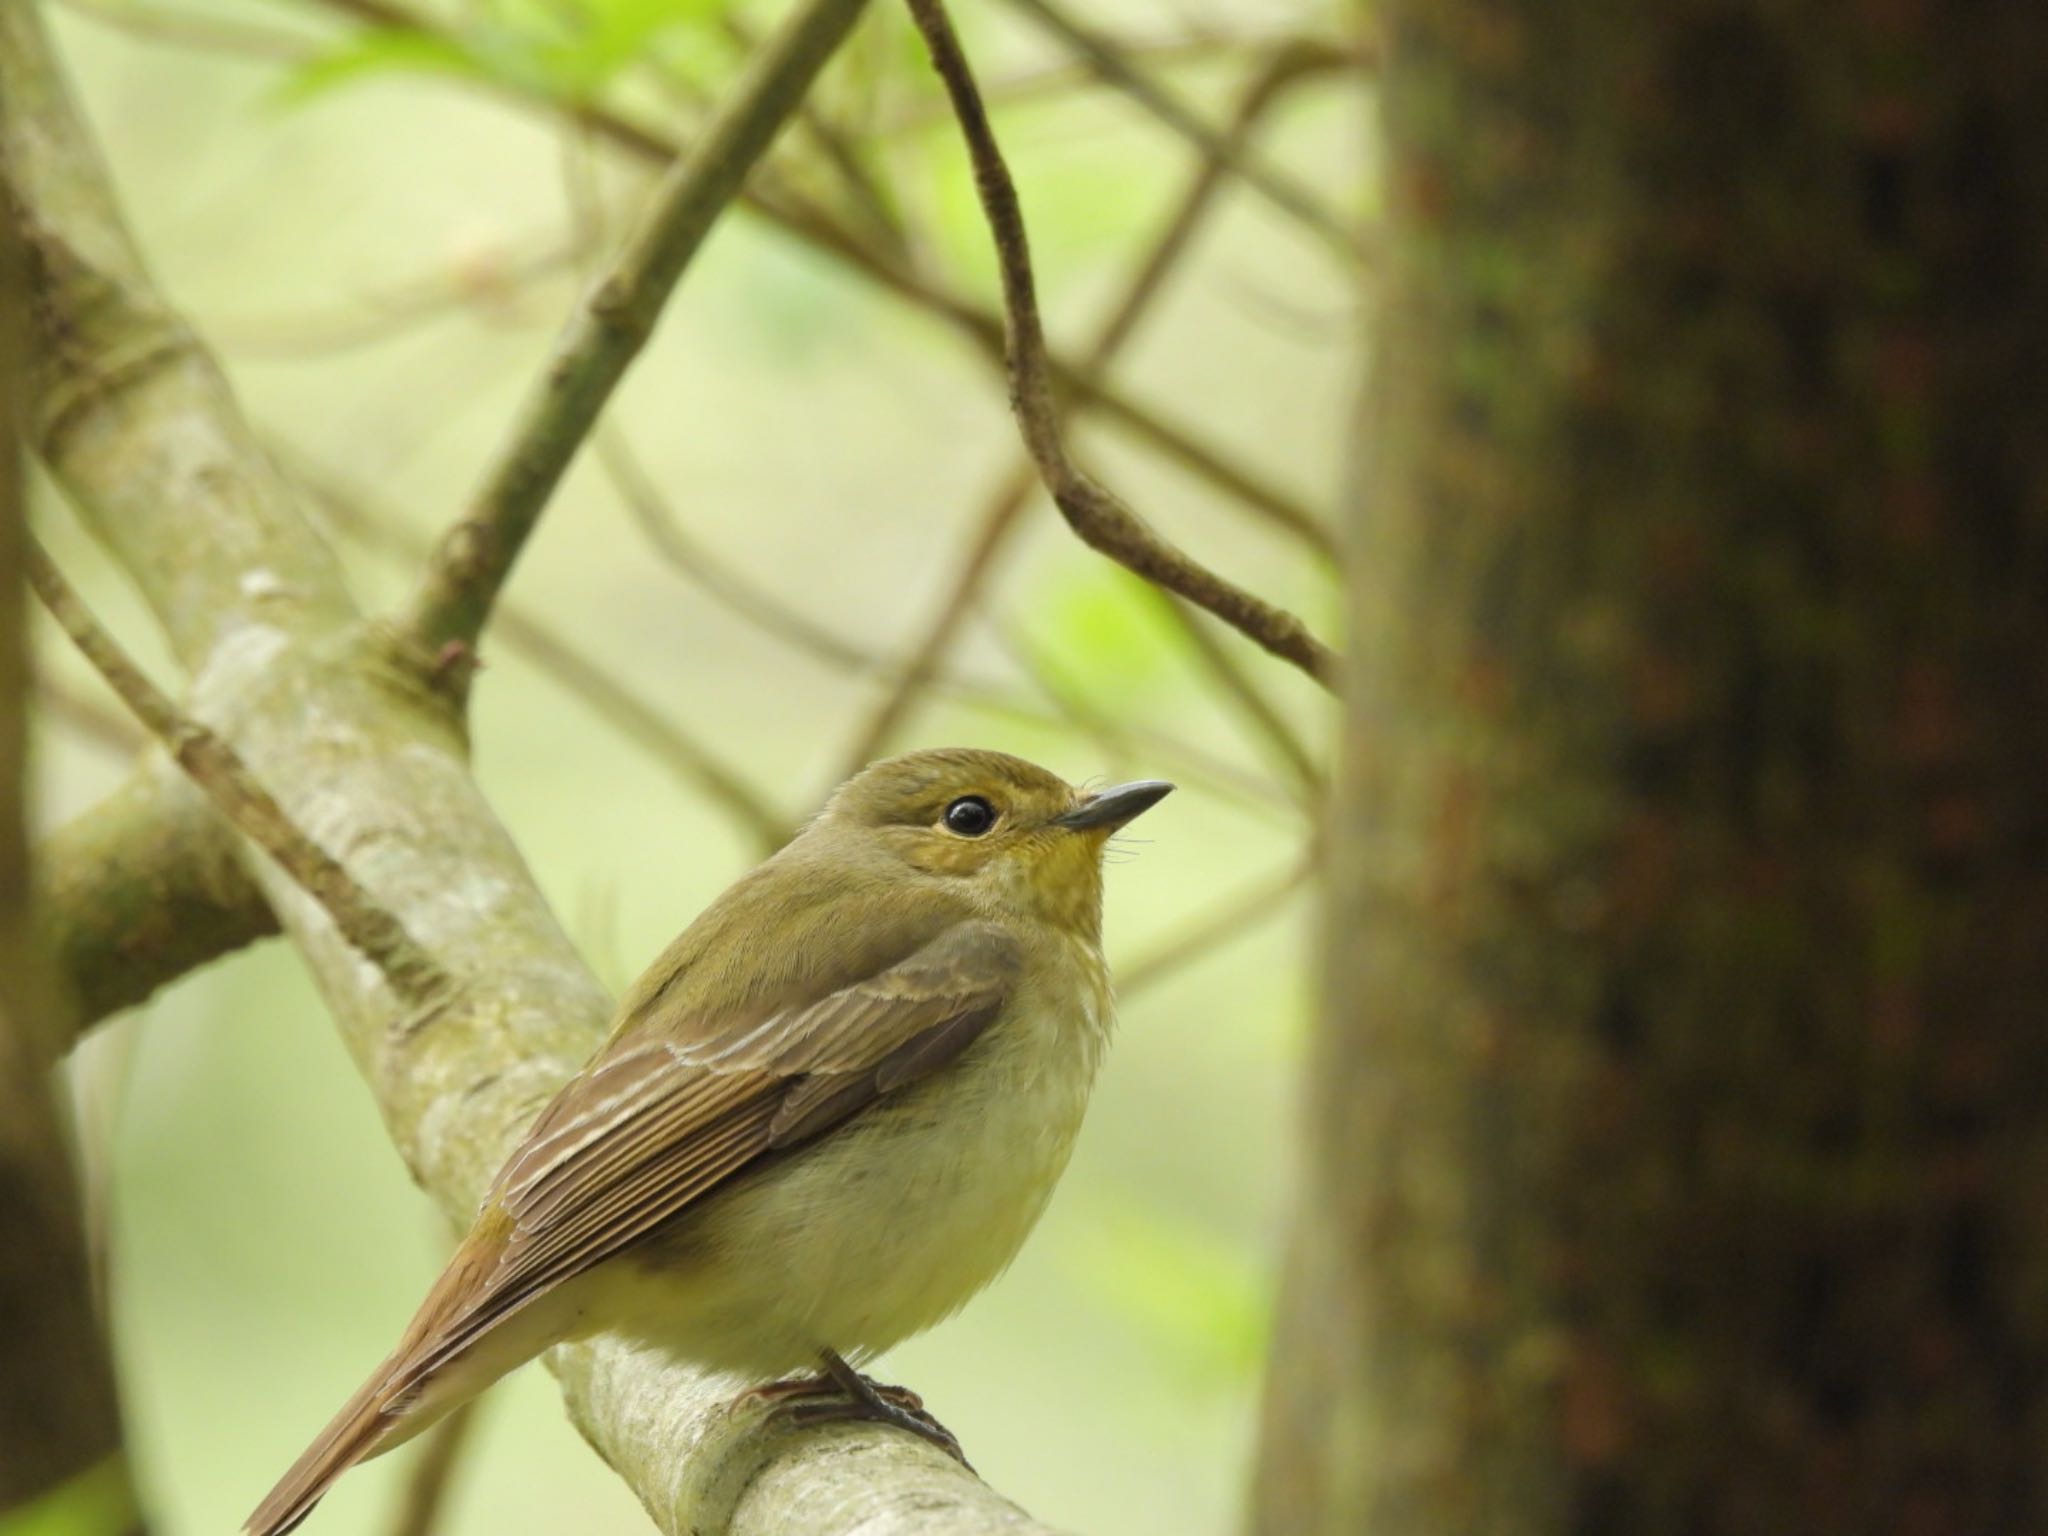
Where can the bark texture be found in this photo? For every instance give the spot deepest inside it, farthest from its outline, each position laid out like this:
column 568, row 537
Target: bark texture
column 1680, row 1119
column 145, row 887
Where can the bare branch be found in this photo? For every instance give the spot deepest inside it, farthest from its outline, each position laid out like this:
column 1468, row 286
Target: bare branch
column 612, row 325
column 218, row 769
column 1110, row 65
column 1145, row 283
column 868, row 195
column 589, row 681
column 1236, row 916
column 191, row 29
column 1258, row 711
column 980, row 326
column 142, row 888
column 1201, row 42
column 491, row 281
column 424, row 1500
column 111, row 359
column 1101, row 519
column 105, row 728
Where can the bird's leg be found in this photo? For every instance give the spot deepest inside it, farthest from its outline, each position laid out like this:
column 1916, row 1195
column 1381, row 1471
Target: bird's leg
column 789, row 1389
column 839, row 1394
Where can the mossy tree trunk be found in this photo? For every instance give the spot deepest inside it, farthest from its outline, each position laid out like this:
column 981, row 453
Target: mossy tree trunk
column 1679, row 1129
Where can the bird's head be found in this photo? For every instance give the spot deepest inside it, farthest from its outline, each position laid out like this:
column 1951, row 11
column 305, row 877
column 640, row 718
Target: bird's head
column 1014, row 834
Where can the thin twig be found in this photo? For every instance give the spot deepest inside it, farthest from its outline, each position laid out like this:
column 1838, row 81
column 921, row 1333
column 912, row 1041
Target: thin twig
column 991, row 532
column 980, row 326
column 88, row 718
column 867, row 193
column 1115, row 69
column 1259, row 711
column 425, row 1496
column 191, row 30
column 1235, row 917
column 1096, row 514
column 218, row 769
column 609, row 329
column 680, row 550
column 1065, row 75
column 1144, row 285
column 1133, row 739
column 471, row 285
column 586, row 679
column 762, row 607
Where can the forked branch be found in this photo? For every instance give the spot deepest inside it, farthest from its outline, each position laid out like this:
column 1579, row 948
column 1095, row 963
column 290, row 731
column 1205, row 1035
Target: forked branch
column 613, row 323
column 1095, row 513
column 218, row 769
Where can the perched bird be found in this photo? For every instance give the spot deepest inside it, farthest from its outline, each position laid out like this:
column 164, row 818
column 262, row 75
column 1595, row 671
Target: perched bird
column 825, row 1117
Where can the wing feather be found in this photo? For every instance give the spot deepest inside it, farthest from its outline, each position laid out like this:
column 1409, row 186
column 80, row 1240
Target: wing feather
column 676, row 1108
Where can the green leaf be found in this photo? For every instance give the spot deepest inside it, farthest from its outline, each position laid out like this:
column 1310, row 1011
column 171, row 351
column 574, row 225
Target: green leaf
column 573, row 48
column 1099, row 627
column 376, row 51
column 1200, row 1299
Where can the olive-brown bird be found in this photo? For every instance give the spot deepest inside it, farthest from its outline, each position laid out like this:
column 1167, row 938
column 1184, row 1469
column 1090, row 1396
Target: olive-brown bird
column 825, row 1117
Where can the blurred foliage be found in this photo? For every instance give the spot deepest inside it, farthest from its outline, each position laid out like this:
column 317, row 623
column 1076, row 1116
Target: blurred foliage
column 566, row 50
column 1100, row 624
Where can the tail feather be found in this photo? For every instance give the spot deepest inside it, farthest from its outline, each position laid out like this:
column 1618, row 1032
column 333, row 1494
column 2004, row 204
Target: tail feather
column 441, row 1360
column 352, row 1435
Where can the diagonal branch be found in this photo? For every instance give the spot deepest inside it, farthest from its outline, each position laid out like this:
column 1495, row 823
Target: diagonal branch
column 1109, row 64
column 1101, row 519
column 524, row 632
column 614, row 322
column 218, row 768
column 1232, row 918
column 1287, row 66
column 142, row 888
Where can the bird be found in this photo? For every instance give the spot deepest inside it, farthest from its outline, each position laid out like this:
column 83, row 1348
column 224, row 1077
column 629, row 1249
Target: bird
column 824, row 1118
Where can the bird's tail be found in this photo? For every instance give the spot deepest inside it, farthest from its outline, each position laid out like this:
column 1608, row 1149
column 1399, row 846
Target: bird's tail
column 364, row 1426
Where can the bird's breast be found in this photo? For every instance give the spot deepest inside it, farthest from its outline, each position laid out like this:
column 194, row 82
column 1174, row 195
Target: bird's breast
column 891, row 1222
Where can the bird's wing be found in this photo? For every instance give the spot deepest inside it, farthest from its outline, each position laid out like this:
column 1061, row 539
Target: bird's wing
column 667, row 1114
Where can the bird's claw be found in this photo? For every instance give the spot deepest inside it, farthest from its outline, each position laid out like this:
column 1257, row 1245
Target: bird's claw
column 841, row 1395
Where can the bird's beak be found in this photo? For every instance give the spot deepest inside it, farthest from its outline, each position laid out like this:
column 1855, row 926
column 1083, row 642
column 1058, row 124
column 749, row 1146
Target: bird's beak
column 1114, row 807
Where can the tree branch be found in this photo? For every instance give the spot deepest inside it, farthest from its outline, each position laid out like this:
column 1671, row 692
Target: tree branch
column 527, row 634
column 614, row 322
column 218, row 769
column 1109, row 65
column 141, row 889
column 1095, row 513
column 1145, row 283
column 980, row 326
column 431, row 1477
column 1232, row 918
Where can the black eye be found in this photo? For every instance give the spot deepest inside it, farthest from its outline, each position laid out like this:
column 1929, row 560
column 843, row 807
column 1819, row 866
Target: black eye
column 970, row 816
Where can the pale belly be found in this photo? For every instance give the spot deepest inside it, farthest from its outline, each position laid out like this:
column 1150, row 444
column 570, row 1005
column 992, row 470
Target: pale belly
column 884, row 1227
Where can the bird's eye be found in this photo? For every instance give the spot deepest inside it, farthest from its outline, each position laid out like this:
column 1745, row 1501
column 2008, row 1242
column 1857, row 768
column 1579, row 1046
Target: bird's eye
column 970, row 816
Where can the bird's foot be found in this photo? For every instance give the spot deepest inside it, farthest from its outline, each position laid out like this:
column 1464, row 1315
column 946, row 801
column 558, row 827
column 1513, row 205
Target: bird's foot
column 839, row 1394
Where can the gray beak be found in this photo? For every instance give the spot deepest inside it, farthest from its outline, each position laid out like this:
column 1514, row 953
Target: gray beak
column 1114, row 807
